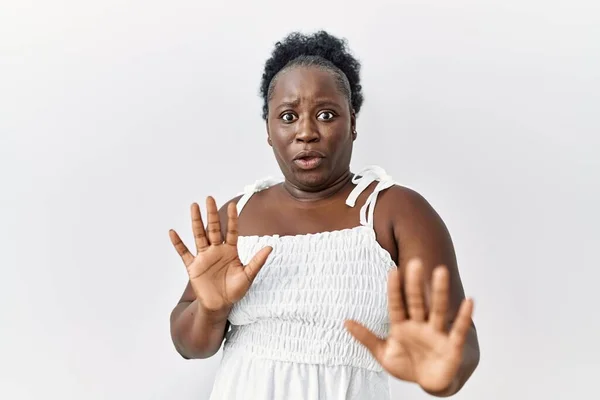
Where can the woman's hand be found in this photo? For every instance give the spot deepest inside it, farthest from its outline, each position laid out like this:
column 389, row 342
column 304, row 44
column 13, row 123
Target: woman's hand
column 419, row 348
column 216, row 273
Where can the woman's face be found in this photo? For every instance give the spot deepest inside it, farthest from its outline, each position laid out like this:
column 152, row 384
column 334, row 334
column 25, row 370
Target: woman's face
column 310, row 126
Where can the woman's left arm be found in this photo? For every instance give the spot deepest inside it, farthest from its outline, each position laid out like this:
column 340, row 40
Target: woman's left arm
column 432, row 339
column 420, row 233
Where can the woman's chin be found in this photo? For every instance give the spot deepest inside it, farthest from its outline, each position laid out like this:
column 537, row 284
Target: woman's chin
column 312, row 179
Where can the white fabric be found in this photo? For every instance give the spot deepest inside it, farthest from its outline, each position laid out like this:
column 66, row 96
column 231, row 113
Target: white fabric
column 287, row 340
column 362, row 181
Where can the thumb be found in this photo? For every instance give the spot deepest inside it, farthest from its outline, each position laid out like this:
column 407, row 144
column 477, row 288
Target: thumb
column 367, row 338
column 257, row 262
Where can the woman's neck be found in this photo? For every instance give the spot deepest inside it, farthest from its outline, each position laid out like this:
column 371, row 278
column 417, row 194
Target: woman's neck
column 328, row 192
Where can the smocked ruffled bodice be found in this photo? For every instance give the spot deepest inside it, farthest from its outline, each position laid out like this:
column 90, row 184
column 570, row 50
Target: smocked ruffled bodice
column 311, row 284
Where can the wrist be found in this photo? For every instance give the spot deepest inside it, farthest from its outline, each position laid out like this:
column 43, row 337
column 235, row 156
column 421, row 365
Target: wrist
column 213, row 317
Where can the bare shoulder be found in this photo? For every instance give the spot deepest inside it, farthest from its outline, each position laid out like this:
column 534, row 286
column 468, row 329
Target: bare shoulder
column 406, row 204
column 412, row 216
column 418, row 229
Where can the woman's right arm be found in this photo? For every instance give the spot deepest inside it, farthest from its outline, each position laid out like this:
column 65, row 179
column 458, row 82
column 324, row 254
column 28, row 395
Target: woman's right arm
column 217, row 280
column 196, row 332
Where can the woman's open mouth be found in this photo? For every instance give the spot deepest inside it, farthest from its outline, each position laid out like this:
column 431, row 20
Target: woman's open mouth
column 309, row 162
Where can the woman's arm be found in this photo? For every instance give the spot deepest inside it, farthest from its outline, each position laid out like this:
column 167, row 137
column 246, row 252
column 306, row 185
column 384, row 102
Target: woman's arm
column 195, row 332
column 421, row 233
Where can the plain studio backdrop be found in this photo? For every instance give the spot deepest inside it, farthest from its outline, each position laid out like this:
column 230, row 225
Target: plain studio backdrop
column 116, row 115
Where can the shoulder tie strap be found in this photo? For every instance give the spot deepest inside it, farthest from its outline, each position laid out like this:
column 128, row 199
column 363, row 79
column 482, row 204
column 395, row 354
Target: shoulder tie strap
column 362, row 180
column 256, row 187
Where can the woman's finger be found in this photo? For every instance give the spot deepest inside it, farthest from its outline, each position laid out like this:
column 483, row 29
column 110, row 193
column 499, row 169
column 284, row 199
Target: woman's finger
column 181, row 248
column 395, row 303
column 257, row 262
column 462, row 324
column 372, row 342
column 440, row 290
column 232, row 224
column 414, row 290
column 198, row 229
column 215, row 236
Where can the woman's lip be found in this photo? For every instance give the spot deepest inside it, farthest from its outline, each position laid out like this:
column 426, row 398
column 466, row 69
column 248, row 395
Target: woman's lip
column 308, row 163
column 308, row 154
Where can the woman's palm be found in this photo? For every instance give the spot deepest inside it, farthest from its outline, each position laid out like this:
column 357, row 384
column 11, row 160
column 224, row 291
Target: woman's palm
column 216, row 273
column 419, row 349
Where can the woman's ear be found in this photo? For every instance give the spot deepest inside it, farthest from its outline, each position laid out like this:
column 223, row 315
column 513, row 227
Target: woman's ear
column 353, row 125
column 269, row 141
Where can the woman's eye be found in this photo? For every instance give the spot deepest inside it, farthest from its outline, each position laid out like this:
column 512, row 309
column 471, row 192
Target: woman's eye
column 288, row 117
column 325, row 116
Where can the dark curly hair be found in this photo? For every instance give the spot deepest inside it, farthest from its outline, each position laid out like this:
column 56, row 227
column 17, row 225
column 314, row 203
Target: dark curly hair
column 318, row 49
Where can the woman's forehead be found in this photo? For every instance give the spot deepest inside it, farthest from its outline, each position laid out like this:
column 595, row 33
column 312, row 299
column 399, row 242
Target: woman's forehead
column 306, row 81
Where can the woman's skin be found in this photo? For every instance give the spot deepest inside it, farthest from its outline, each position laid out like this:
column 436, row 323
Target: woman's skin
column 432, row 340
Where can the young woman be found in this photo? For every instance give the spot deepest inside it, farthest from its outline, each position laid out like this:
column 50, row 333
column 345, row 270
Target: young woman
column 330, row 281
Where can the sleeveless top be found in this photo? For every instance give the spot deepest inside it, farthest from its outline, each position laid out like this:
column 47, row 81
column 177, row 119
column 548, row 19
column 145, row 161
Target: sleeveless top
column 287, row 338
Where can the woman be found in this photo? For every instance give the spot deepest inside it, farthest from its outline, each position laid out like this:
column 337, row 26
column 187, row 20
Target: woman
column 331, row 281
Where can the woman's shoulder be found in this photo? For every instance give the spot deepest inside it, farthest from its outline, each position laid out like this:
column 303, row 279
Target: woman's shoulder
column 256, row 191
column 406, row 206
column 403, row 196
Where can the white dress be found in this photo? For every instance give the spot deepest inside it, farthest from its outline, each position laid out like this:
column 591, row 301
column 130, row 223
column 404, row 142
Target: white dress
column 287, row 339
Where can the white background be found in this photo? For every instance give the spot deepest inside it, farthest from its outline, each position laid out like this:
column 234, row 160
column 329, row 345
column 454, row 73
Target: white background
column 116, row 115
